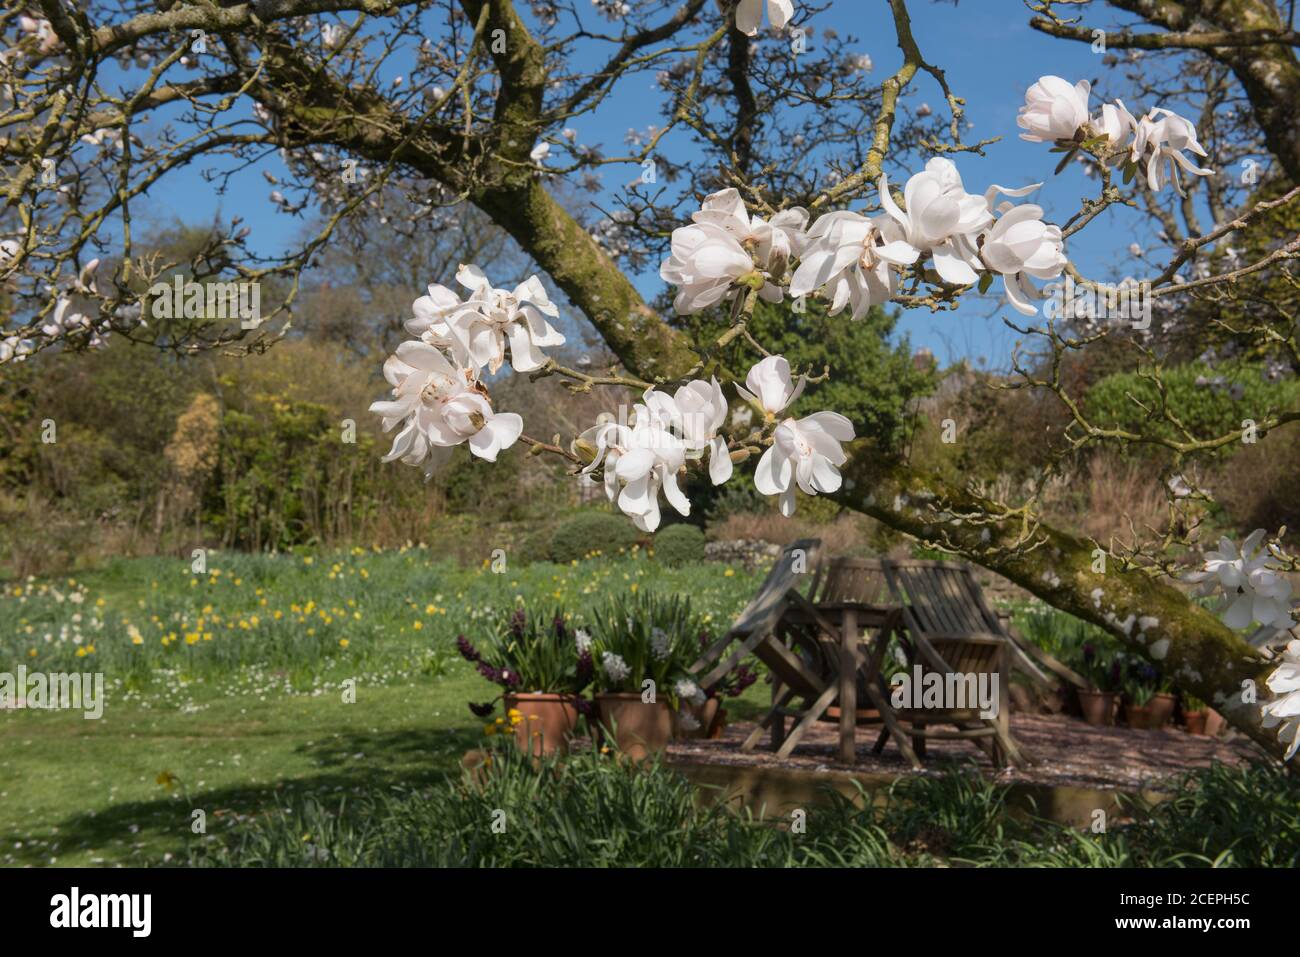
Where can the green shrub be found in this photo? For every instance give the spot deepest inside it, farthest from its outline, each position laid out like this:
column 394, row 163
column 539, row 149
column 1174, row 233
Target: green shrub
column 680, row 545
column 588, row 532
column 1225, row 395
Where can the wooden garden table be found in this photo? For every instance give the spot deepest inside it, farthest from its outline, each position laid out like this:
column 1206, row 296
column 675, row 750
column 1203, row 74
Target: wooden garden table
column 853, row 637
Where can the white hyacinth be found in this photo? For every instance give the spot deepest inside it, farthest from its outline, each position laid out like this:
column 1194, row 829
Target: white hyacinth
column 614, row 666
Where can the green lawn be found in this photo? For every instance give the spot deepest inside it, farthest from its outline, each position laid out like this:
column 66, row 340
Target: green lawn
column 235, row 708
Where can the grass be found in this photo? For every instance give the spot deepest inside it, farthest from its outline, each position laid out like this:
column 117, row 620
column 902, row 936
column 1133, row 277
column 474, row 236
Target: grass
column 252, row 711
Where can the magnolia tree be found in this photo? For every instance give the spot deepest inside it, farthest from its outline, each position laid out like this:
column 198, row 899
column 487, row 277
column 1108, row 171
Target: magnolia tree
column 765, row 169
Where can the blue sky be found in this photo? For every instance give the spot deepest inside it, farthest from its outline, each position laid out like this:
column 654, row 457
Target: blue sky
column 990, row 55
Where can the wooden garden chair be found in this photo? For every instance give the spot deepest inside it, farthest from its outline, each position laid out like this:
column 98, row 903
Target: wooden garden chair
column 812, row 654
column 952, row 630
column 796, row 567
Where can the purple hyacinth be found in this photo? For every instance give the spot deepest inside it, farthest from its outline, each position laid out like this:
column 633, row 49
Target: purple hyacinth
column 488, row 672
column 584, row 706
column 559, row 626
column 467, row 650
column 517, row 622
column 585, row 666
column 744, row 678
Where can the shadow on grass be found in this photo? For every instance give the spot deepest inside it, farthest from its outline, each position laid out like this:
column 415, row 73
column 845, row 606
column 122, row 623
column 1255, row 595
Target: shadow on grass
column 350, row 764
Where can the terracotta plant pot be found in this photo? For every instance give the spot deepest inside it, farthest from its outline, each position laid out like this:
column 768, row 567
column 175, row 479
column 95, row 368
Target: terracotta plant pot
column 1098, row 707
column 1140, row 718
column 710, row 716
column 1195, row 721
column 548, row 722
column 1162, row 709
column 638, row 729
column 1149, row 717
column 1214, row 723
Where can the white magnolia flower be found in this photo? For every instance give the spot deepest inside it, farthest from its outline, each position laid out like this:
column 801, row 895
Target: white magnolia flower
column 39, row 28
column 856, row 259
column 440, row 405
column 493, row 318
column 1021, row 245
column 331, row 35
column 806, row 452
column 615, row 667
column 639, row 459
column 942, row 218
column 1285, row 709
column 770, row 243
column 725, row 243
column 1252, row 590
column 62, row 322
column 770, row 386
column 696, row 411
column 15, row 349
column 1054, row 110
column 540, row 152
column 9, row 249
column 750, row 12
column 1163, row 141
column 1116, row 123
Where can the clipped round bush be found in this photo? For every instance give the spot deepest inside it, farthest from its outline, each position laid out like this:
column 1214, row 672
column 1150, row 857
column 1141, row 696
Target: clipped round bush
column 588, row 532
column 679, row 545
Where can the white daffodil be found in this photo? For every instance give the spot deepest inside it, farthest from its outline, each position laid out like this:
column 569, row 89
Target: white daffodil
column 1163, row 141
column 856, row 259
column 639, row 460
column 770, row 385
column 942, row 218
column 749, row 13
column 497, row 318
column 805, row 452
column 1284, row 710
column 1252, row 590
column 1054, row 110
column 1021, row 245
column 440, row 405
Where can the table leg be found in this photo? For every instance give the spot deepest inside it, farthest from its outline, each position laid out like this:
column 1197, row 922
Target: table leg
column 848, row 686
